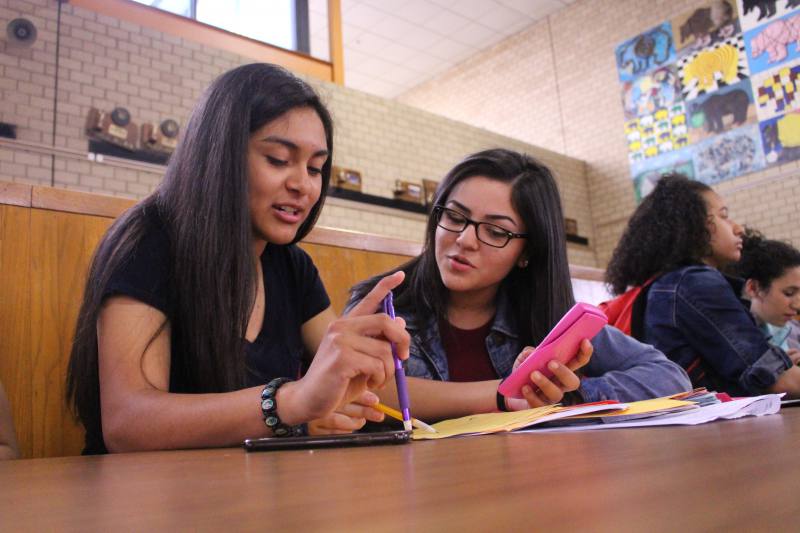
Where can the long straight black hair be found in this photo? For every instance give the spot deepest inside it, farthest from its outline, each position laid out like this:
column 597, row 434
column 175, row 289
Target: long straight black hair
column 541, row 292
column 202, row 202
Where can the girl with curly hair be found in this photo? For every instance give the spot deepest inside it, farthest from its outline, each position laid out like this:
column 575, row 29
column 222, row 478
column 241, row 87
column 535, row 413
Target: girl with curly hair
column 772, row 273
column 678, row 239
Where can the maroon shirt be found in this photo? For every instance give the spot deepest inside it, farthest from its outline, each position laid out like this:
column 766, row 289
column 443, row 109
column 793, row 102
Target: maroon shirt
column 467, row 356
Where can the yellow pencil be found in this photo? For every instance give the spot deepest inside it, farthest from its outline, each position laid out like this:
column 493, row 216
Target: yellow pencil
column 394, row 413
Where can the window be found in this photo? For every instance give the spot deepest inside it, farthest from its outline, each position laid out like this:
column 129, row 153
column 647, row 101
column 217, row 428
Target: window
column 282, row 23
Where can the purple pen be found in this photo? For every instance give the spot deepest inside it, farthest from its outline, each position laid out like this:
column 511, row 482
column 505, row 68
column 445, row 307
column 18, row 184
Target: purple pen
column 399, row 373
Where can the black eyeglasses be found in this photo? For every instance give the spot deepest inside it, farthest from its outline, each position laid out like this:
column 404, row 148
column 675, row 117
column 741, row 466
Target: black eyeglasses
column 487, row 233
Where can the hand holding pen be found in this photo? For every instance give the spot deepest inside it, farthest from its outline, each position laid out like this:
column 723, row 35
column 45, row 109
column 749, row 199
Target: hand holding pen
column 399, row 373
column 357, row 353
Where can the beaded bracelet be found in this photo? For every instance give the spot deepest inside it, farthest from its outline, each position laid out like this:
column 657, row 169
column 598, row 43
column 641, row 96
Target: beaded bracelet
column 269, row 408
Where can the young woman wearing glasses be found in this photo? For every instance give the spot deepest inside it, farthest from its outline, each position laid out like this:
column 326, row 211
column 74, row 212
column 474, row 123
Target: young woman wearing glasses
column 491, row 281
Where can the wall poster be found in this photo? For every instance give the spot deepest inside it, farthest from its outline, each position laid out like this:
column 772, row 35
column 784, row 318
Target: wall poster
column 713, row 92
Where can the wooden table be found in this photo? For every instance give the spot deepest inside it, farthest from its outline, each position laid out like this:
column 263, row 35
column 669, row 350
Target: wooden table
column 730, row 475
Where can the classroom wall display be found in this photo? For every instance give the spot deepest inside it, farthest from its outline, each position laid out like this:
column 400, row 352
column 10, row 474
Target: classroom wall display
column 650, row 92
column 781, row 138
column 657, row 133
column 712, row 92
column 694, row 30
column 644, row 52
column 759, row 12
column 721, row 111
column 729, row 155
column 647, row 173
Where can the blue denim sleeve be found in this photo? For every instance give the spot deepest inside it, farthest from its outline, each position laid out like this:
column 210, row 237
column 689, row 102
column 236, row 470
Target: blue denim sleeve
column 624, row 369
column 718, row 326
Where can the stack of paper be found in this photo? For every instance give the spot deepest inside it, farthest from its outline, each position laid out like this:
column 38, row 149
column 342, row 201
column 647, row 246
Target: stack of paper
column 697, row 407
column 753, row 406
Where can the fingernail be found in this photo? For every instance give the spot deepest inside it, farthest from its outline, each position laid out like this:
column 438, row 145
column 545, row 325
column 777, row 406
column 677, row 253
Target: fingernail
column 526, row 390
column 537, row 375
column 552, row 365
column 371, row 397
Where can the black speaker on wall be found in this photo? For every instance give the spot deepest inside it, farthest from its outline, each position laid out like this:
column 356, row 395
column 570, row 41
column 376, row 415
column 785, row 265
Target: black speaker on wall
column 21, row 32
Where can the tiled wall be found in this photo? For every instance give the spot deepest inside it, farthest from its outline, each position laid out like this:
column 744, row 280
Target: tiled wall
column 555, row 85
column 105, row 62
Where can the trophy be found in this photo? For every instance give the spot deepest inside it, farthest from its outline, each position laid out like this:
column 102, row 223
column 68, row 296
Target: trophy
column 115, row 127
column 344, row 178
column 162, row 138
column 409, row 192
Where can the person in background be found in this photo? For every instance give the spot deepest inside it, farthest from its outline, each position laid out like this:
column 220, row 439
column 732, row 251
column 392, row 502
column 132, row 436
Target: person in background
column 198, row 296
column 679, row 238
column 491, row 282
column 9, row 449
column 772, row 273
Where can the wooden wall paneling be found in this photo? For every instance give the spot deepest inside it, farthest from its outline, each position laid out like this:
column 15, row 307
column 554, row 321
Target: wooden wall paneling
column 335, row 267
column 62, row 246
column 368, row 264
column 15, row 332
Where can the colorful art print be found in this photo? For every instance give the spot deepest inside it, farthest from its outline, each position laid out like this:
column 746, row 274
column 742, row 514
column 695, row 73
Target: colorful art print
column 753, row 13
column 720, row 65
column 659, row 133
column 645, row 52
column 774, row 43
column 775, row 91
column 667, row 161
column 645, row 182
column 713, row 21
column 780, row 138
column 721, row 111
column 729, row 155
column 647, row 174
column 649, row 92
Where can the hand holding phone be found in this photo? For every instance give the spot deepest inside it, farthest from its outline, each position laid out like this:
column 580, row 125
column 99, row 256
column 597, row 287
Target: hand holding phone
column 583, row 321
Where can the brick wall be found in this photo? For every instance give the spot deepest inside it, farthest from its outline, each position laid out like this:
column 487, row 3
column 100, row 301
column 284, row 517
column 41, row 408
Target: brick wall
column 105, row 62
column 555, row 85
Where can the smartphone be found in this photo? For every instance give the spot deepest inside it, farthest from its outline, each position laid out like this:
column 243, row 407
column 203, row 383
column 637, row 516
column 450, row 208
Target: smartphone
column 583, row 321
column 327, row 441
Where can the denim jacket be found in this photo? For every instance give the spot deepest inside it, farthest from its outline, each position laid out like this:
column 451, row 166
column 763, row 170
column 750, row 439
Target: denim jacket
column 621, row 368
column 695, row 317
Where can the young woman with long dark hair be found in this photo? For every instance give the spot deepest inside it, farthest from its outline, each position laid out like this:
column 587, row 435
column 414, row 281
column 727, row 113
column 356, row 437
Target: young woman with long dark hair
column 679, row 238
column 197, row 296
column 771, row 270
column 491, row 281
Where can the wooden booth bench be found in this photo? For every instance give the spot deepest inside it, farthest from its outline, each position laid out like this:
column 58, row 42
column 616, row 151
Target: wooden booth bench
column 47, row 237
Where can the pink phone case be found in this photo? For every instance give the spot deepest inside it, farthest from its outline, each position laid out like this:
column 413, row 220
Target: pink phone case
column 583, row 321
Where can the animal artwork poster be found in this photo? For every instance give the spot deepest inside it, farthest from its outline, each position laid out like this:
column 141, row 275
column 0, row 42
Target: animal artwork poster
column 708, row 24
column 645, row 52
column 721, row 64
column 721, row 111
column 754, row 13
column 774, row 43
column 781, row 138
column 713, row 92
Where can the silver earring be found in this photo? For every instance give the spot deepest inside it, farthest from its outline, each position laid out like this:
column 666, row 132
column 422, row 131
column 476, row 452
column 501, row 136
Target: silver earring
column 523, row 263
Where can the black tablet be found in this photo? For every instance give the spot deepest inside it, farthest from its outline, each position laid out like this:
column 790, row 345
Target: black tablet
column 327, row 441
